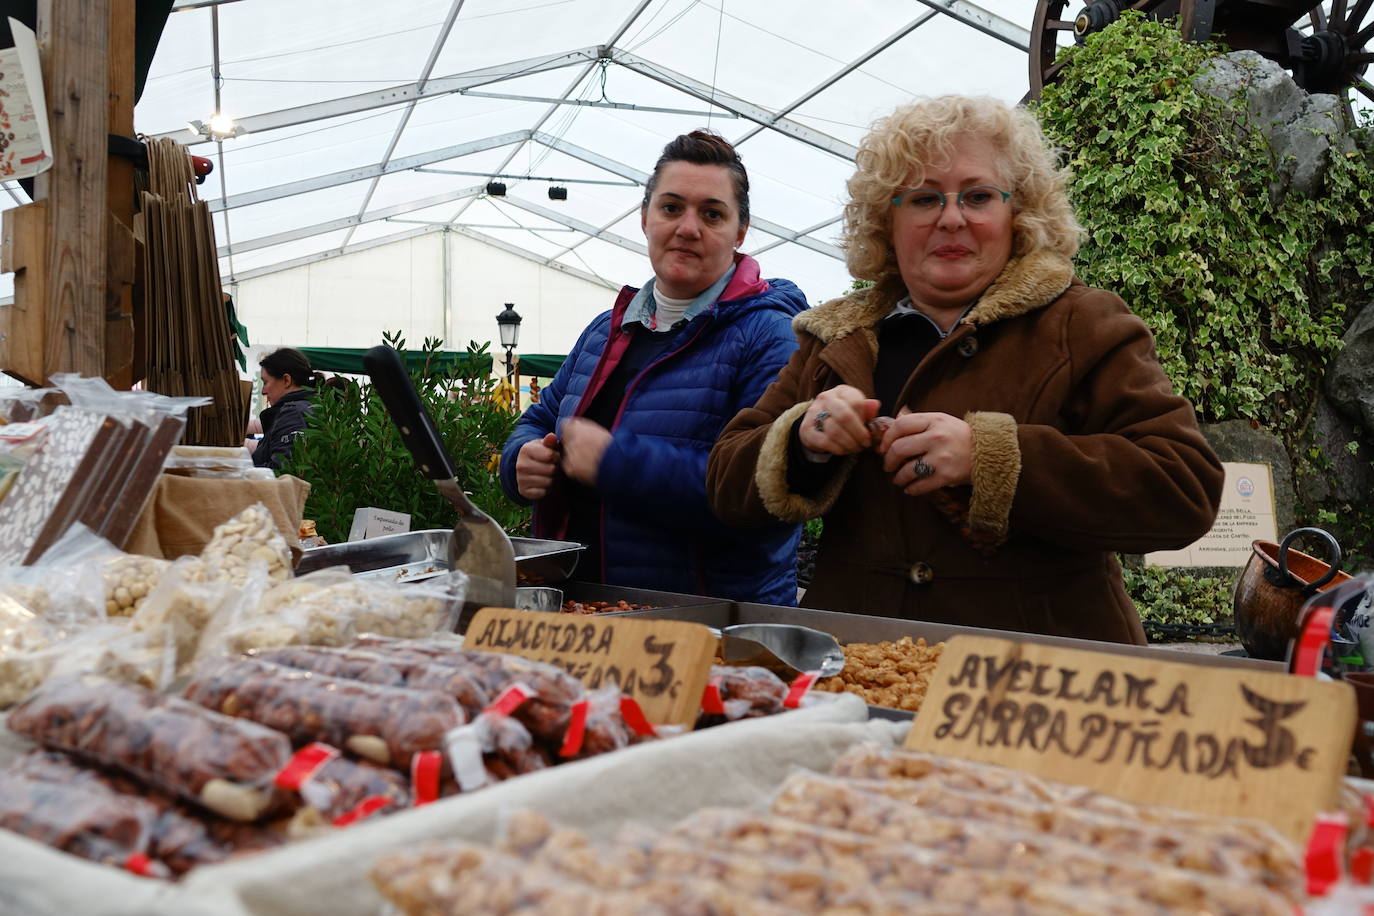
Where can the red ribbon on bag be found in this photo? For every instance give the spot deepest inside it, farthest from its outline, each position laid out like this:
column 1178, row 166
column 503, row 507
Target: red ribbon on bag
column 577, row 729
column 424, row 776
column 1316, row 632
column 1324, row 848
column 711, row 702
column 143, row 866
column 1362, row 865
column 509, row 700
column 635, row 718
column 365, row 808
column 800, row 685
column 304, row 764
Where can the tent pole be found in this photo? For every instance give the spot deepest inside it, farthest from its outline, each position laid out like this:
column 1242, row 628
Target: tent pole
column 445, row 238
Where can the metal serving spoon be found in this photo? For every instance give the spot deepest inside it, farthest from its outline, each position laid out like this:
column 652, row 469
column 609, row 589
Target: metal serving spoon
column 786, row 648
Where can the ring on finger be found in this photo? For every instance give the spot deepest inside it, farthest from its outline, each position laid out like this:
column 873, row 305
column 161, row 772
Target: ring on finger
column 819, row 422
column 921, row 469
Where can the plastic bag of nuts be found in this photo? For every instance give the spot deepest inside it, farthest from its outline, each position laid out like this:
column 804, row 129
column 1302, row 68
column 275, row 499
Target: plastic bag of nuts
column 181, row 838
column 332, row 608
column 116, row 651
column 1258, row 846
column 340, row 791
column 60, row 587
column 128, row 580
column 185, row 603
column 249, row 539
column 223, row 764
column 463, row 879
column 24, row 659
column 386, row 725
column 85, row 821
column 550, row 691
column 243, row 556
column 31, row 652
column 638, row 853
column 505, row 751
column 974, row 839
column 740, row 692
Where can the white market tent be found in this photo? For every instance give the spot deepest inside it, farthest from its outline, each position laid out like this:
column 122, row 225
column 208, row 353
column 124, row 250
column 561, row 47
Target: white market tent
column 352, row 194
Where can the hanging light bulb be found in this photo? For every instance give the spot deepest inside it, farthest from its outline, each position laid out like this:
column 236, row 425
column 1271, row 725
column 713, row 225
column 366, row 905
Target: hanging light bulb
column 222, row 126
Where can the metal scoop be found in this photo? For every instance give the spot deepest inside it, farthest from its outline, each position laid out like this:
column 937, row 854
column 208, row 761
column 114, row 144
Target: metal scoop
column 479, row 547
column 784, row 648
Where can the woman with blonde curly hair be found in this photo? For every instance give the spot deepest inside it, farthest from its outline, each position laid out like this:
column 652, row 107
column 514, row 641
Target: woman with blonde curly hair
column 980, row 430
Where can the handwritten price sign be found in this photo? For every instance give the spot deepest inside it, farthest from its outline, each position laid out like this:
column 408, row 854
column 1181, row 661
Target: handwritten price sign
column 1215, row 740
column 663, row 664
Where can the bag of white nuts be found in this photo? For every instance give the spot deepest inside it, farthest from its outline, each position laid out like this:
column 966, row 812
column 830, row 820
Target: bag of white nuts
column 332, row 607
column 244, row 557
column 248, row 540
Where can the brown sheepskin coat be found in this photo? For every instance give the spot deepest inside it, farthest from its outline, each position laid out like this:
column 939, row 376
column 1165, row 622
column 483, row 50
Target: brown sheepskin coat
column 1080, row 449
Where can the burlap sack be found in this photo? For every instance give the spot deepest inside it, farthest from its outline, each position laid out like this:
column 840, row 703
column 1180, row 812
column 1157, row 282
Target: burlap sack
column 184, row 511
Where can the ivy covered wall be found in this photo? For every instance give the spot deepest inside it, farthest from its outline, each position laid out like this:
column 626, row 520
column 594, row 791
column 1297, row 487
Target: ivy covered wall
column 1247, row 278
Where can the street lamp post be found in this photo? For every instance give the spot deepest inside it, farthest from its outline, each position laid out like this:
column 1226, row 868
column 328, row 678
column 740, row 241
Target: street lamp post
column 508, row 323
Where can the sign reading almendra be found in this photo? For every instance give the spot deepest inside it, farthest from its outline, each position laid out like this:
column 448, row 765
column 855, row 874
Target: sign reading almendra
column 663, row 664
column 1110, row 717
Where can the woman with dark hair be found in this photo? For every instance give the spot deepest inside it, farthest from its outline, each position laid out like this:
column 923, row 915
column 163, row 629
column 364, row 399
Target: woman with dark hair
column 614, row 454
column 288, row 384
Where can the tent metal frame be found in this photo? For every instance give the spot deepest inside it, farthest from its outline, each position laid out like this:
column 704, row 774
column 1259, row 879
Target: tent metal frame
column 585, row 60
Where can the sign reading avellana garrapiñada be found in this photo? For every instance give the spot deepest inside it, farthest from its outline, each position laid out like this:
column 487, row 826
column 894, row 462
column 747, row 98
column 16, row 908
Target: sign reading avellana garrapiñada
column 1218, row 740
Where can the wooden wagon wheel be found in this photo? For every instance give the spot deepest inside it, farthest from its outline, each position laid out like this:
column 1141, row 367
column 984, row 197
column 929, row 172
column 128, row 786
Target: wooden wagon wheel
column 1335, row 55
column 1330, row 57
column 1050, row 31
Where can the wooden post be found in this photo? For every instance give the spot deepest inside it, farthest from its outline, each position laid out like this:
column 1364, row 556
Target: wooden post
column 121, row 370
column 21, row 325
column 74, row 38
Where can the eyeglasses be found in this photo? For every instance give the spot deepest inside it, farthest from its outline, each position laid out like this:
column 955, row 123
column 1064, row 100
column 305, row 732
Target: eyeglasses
column 979, row 204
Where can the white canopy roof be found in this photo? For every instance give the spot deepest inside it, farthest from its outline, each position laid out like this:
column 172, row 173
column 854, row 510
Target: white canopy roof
column 359, row 121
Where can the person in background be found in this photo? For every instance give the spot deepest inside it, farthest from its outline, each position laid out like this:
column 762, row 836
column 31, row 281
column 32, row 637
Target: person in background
column 288, row 384
column 338, row 385
column 980, row 431
column 614, row 453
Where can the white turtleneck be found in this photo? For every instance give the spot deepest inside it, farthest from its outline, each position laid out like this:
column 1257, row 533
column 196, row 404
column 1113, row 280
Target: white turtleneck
column 668, row 312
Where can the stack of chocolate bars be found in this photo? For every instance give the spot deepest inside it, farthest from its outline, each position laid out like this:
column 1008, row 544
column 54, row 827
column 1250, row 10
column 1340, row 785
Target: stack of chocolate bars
column 94, row 467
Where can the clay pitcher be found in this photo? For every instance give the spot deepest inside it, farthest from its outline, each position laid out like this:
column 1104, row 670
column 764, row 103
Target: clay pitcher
column 1273, row 587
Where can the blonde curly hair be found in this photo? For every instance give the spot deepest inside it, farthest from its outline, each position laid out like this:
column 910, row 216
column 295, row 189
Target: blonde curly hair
column 899, row 148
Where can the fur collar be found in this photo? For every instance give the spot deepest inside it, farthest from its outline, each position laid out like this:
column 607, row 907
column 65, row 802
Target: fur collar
column 1025, row 284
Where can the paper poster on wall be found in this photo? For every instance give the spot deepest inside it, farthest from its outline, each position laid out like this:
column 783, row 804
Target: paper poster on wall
column 1246, row 514
column 25, row 143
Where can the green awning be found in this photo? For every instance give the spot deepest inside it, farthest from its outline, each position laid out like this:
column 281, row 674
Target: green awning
column 540, row 365
column 349, row 360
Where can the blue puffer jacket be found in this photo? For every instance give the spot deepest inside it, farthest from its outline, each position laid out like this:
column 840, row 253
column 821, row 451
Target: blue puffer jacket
column 657, row 528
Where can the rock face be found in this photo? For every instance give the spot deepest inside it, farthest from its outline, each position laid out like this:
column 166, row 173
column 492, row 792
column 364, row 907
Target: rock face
column 1237, row 440
column 1270, row 93
column 1351, row 477
column 1350, row 376
column 1303, row 131
column 1301, row 128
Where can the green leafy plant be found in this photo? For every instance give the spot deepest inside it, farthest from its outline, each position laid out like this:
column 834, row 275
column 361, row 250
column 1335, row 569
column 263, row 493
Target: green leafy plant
column 1246, row 290
column 1174, row 598
column 1173, row 187
column 353, row 456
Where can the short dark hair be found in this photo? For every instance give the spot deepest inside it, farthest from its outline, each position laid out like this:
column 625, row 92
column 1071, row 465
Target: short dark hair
column 292, row 362
column 704, row 147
